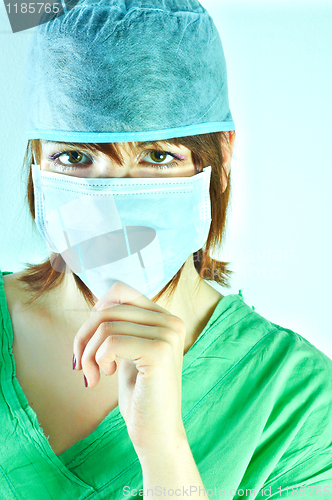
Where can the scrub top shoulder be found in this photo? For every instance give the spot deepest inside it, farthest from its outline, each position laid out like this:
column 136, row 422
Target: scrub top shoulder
column 256, row 406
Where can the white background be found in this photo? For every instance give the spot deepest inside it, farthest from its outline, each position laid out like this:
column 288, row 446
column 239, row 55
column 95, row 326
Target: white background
column 279, row 232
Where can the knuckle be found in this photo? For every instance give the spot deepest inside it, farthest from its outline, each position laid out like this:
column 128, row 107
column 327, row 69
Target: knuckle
column 166, row 334
column 99, row 317
column 99, row 356
column 117, row 287
column 104, row 350
column 176, row 324
column 110, row 341
column 170, row 337
column 85, row 359
column 103, row 315
column 163, row 349
column 105, row 328
column 149, row 371
column 182, row 327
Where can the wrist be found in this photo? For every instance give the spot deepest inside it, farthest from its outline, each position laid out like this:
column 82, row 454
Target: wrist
column 172, row 469
column 165, row 448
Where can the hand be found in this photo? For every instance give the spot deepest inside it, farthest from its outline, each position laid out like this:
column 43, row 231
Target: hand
column 145, row 342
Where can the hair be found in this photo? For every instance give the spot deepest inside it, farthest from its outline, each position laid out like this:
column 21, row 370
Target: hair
column 206, row 149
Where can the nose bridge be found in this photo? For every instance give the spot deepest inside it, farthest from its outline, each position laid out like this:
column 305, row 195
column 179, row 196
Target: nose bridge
column 117, row 171
column 126, row 169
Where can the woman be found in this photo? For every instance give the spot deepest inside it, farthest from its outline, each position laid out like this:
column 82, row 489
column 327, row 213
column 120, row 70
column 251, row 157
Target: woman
column 130, row 145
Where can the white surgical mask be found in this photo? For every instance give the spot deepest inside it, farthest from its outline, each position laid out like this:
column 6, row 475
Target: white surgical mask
column 138, row 231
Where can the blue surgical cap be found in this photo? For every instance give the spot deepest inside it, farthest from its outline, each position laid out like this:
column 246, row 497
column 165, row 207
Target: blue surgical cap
column 126, row 71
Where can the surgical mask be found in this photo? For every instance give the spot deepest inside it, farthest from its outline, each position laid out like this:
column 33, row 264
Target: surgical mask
column 138, row 231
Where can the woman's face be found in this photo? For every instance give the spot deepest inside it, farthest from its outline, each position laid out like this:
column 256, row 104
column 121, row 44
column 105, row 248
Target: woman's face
column 144, row 161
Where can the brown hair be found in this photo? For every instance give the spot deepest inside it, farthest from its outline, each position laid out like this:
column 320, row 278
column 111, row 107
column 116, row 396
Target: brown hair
column 207, row 149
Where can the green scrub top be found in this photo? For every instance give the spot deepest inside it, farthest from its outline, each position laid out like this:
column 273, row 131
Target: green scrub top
column 256, row 406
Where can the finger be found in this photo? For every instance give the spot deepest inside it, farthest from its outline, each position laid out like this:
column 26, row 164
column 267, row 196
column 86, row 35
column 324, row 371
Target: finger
column 109, row 368
column 146, row 354
column 112, row 350
column 93, row 374
column 91, row 364
column 121, row 293
column 128, row 313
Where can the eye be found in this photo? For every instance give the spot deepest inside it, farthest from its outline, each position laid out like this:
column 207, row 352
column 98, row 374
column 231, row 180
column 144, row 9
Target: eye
column 68, row 159
column 73, row 160
column 160, row 157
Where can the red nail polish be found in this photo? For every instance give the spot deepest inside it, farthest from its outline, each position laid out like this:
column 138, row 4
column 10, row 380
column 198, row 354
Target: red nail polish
column 85, row 381
column 74, row 362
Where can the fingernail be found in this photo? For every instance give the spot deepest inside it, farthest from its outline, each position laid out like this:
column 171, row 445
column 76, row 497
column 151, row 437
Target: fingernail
column 85, row 381
column 74, row 362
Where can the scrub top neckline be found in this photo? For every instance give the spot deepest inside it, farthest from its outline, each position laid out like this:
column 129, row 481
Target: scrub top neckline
column 28, row 416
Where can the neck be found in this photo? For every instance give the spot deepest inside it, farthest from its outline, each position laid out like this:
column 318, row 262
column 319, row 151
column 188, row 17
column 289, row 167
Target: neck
column 193, row 301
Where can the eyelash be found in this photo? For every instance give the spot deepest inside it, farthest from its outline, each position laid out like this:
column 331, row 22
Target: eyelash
column 63, row 168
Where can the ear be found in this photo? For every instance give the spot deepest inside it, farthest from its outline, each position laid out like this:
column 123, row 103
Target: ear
column 227, row 156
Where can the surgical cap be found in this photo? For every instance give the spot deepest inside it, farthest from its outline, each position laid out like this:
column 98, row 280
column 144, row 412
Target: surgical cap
column 126, row 71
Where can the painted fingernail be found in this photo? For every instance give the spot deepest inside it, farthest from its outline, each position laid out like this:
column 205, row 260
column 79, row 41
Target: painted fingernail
column 85, row 381
column 74, row 362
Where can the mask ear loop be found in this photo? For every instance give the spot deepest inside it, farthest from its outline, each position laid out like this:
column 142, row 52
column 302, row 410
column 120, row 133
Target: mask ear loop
column 34, row 158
